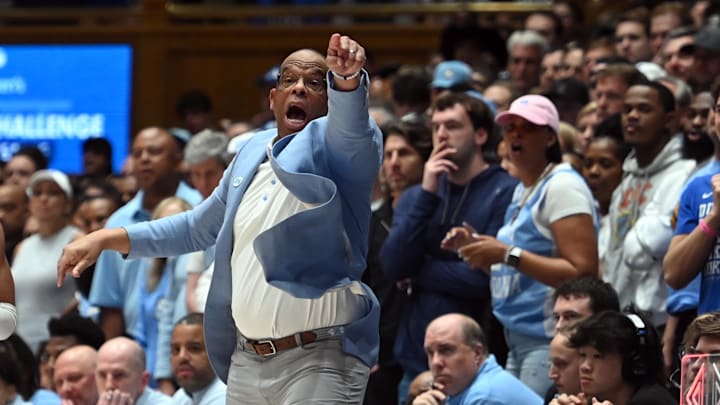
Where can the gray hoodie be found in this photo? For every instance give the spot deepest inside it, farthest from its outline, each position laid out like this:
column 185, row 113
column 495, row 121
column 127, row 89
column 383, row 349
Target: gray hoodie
column 640, row 229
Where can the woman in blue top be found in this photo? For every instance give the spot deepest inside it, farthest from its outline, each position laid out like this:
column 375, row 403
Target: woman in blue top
column 549, row 236
column 161, row 303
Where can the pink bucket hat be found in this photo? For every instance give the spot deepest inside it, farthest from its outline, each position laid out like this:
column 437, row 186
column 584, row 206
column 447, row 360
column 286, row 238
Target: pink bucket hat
column 535, row 108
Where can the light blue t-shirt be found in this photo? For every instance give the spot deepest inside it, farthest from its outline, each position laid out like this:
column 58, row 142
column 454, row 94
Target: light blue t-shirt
column 116, row 282
column 213, row 394
column 495, row 386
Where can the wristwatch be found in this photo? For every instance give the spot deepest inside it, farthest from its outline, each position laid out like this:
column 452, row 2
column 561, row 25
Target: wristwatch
column 512, row 256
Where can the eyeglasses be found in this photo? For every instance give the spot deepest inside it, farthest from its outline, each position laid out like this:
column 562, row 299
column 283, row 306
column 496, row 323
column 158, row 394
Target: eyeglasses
column 315, row 83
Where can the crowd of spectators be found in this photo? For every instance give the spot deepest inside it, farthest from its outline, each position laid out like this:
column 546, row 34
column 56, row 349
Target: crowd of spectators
column 544, row 227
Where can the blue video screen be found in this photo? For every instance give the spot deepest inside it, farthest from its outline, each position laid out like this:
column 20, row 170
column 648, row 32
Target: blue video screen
column 57, row 96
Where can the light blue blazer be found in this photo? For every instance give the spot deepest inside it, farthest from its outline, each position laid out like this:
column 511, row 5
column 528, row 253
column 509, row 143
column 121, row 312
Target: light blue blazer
column 332, row 164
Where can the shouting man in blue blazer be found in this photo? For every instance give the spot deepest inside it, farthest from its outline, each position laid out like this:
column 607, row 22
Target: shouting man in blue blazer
column 287, row 320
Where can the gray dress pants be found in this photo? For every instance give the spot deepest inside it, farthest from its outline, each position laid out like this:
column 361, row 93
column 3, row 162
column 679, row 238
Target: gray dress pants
column 317, row 373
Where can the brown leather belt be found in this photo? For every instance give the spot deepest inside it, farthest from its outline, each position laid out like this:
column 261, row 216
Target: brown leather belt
column 268, row 347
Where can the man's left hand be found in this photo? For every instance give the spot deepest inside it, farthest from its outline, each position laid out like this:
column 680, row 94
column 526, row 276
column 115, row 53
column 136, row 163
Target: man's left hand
column 345, row 57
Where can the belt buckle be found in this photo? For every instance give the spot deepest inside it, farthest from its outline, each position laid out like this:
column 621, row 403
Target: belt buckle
column 272, row 346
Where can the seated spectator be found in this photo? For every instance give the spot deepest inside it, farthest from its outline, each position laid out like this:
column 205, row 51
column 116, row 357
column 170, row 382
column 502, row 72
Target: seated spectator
column 121, row 377
column 580, row 298
column 620, row 361
column 564, row 365
column 35, row 266
column 65, row 332
column 27, row 386
column 10, row 380
column 423, row 382
column 8, row 313
column 74, row 377
column 191, row 366
column 463, row 371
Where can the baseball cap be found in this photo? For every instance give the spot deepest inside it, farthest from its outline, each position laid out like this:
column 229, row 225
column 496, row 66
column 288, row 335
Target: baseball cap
column 270, row 77
column 451, row 73
column 490, row 105
column 57, row 177
column 535, row 108
column 708, row 38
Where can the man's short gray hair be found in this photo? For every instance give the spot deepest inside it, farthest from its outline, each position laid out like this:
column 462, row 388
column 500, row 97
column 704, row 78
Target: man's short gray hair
column 206, row 145
column 527, row 38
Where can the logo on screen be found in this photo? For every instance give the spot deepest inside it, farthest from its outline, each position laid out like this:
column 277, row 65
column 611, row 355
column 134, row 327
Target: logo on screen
column 3, row 58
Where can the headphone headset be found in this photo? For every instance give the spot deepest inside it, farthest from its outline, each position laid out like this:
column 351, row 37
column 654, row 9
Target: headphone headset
column 634, row 365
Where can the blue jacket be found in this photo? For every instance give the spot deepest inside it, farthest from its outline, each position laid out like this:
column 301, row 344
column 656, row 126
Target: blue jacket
column 441, row 282
column 332, row 164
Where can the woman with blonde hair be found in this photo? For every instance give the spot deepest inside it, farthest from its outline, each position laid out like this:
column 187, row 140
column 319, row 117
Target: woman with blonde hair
column 586, row 124
column 162, row 301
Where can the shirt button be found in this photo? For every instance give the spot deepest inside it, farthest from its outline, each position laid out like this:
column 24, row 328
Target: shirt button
column 236, row 183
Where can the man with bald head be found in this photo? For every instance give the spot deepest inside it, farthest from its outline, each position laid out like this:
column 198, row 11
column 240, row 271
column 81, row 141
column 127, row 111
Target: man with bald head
column 13, row 214
column 121, row 377
column 74, row 376
column 463, row 371
column 290, row 218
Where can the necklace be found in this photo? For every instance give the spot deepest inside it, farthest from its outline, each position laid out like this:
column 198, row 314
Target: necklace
column 529, row 191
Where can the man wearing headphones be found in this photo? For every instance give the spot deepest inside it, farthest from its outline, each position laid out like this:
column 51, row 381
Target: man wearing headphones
column 620, row 362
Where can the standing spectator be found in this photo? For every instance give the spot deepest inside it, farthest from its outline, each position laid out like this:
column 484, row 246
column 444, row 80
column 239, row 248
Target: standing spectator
column 678, row 53
column 459, row 184
column 8, row 312
column 693, row 248
column 547, row 24
column 698, row 143
column 664, row 18
column 156, row 158
column 411, row 93
column 603, row 171
column 35, row 263
column 707, row 57
column 206, row 158
column 632, row 40
column 407, row 148
column 97, row 158
column 23, row 164
column 194, row 109
column 14, row 212
column 161, row 303
column 551, row 68
column 611, row 83
column 526, row 50
column 549, row 236
column 641, row 209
